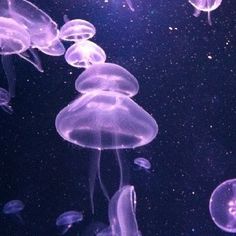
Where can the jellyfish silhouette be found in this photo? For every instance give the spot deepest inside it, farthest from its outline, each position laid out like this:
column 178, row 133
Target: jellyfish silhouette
column 205, row 6
column 13, row 208
column 122, row 214
column 84, row 53
column 77, row 30
column 222, row 206
column 142, row 163
column 105, row 117
column 66, row 220
column 5, row 100
column 24, row 28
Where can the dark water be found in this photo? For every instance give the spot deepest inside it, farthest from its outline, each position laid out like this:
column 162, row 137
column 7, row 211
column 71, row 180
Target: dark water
column 187, row 80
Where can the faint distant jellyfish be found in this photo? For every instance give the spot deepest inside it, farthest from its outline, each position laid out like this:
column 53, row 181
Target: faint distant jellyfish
column 13, row 208
column 66, row 220
column 105, row 117
column 142, row 163
column 205, row 6
column 24, row 27
column 77, row 30
column 5, row 100
column 222, row 206
column 84, row 54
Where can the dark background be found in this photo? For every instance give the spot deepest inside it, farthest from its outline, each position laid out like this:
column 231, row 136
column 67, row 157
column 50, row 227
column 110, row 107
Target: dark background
column 191, row 96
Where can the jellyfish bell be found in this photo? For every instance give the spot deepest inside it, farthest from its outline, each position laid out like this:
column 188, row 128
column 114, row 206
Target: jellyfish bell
column 142, row 163
column 107, row 77
column 77, row 30
column 106, row 120
column 205, row 6
column 83, row 54
column 222, row 206
column 122, row 212
column 5, row 100
column 66, row 220
column 13, row 207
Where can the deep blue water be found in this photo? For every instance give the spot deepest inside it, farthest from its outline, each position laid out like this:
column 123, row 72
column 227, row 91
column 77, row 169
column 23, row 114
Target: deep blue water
column 191, row 96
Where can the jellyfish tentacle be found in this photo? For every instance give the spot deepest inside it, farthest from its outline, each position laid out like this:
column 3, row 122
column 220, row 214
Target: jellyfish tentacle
column 130, row 4
column 104, row 190
column 120, row 168
column 209, row 18
column 9, row 70
column 32, row 57
column 92, row 177
column 8, row 109
column 196, row 13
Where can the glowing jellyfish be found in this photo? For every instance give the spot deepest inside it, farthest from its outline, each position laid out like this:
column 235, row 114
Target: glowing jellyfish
column 122, row 214
column 24, row 27
column 222, row 206
column 142, row 163
column 66, row 220
column 205, row 6
column 83, row 54
column 106, row 117
column 130, row 4
column 77, row 30
column 5, row 100
column 14, row 208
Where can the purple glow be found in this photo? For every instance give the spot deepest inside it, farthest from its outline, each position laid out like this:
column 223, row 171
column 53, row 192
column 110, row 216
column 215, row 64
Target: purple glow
column 5, row 100
column 13, row 207
column 84, row 54
column 107, row 77
column 122, row 209
column 205, row 6
column 77, row 30
column 142, row 163
column 130, row 4
column 222, row 206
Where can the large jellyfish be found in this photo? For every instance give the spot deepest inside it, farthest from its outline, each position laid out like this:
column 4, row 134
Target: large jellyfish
column 222, row 206
column 205, row 6
column 23, row 28
column 105, row 116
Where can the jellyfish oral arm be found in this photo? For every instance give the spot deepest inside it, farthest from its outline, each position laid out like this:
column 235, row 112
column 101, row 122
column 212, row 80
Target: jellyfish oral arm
column 130, row 4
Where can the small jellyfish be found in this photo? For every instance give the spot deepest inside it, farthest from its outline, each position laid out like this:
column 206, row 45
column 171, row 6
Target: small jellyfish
column 84, row 54
column 13, row 208
column 5, row 100
column 77, row 30
column 66, row 220
column 222, row 206
column 142, row 163
column 205, row 6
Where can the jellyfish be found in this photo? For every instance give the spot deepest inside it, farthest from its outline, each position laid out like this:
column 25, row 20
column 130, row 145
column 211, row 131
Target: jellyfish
column 85, row 53
column 122, row 214
column 66, row 220
column 23, row 29
column 5, row 100
column 205, row 6
column 142, row 163
column 130, row 4
column 13, row 208
column 105, row 117
column 77, row 30
column 222, row 206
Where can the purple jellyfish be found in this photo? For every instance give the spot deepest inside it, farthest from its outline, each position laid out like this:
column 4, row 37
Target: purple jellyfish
column 77, row 30
column 106, row 117
column 24, row 28
column 122, row 210
column 205, row 6
column 5, row 100
column 66, row 220
column 142, row 163
column 84, row 53
column 13, row 208
column 222, row 206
